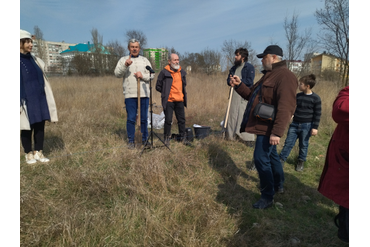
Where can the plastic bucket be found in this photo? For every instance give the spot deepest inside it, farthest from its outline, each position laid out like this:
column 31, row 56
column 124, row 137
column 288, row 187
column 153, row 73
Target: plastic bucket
column 202, row 132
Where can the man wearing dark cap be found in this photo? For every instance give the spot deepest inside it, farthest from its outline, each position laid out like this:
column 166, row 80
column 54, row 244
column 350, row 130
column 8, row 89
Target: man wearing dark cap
column 277, row 88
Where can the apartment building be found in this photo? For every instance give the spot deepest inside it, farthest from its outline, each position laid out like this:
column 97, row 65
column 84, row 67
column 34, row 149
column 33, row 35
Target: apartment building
column 326, row 61
column 53, row 59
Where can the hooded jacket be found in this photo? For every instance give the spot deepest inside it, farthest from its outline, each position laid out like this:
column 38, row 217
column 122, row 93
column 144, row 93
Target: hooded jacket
column 164, row 84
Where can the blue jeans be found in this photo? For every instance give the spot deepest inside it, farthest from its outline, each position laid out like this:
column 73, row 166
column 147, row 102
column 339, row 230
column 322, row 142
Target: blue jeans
column 302, row 131
column 131, row 109
column 268, row 165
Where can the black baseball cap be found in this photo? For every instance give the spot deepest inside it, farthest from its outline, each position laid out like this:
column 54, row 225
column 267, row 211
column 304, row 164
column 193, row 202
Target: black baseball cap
column 271, row 49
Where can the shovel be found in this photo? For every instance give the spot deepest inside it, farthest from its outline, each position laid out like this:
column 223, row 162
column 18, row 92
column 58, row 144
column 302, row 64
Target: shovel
column 227, row 113
column 138, row 103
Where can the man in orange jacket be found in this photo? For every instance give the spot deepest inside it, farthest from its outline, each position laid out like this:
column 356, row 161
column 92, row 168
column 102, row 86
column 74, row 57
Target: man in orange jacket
column 171, row 84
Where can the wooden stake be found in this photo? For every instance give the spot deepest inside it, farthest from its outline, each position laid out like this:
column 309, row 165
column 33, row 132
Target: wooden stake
column 138, row 102
column 227, row 112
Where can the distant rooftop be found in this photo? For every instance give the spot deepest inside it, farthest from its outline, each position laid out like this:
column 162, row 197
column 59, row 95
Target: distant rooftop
column 84, row 48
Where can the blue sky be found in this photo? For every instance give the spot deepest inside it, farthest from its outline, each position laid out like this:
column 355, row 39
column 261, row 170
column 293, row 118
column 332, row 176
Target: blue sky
column 188, row 26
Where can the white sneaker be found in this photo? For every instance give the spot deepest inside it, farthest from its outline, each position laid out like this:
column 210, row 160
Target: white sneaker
column 30, row 159
column 39, row 156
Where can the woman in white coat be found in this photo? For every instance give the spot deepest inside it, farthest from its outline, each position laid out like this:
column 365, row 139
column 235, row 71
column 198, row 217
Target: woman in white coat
column 37, row 103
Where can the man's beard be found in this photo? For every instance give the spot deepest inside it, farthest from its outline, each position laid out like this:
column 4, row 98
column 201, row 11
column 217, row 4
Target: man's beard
column 267, row 66
column 175, row 66
column 237, row 63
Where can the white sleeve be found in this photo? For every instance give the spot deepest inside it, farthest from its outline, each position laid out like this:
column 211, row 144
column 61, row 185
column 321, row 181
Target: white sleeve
column 121, row 68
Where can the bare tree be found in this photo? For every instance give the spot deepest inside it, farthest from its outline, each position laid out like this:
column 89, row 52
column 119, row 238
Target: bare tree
column 116, row 48
column 194, row 60
column 116, row 51
column 212, row 60
column 334, row 36
column 40, row 43
column 98, row 56
column 296, row 43
column 172, row 50
column 81, row 63
column 228, row 49
column 139, row 35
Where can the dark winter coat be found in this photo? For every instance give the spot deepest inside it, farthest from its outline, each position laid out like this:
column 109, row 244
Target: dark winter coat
column 247, row 74
column 279, row 89
column 334, row 181
column 164, row 83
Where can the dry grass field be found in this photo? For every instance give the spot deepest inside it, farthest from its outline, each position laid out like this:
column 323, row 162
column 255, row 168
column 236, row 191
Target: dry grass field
column 96, row 192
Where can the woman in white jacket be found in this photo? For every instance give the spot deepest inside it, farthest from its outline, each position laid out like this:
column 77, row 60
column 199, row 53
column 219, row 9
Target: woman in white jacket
column 37, row 103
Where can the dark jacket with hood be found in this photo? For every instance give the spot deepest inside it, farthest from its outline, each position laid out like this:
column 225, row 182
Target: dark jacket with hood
column 247, row 74
column 164, row 83
column 279, row 89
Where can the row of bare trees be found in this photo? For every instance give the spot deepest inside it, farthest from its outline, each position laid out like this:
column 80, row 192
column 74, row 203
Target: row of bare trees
column 334, row 36
column 333, row 19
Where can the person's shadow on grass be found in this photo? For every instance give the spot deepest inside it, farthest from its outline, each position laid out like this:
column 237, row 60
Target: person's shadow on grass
column 230, row 192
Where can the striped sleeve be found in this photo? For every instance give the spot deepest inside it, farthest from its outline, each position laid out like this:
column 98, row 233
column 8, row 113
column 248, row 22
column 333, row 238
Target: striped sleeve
column 316, row 112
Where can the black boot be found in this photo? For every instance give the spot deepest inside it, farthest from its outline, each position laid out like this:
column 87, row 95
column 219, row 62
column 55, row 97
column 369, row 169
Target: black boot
column 342, row 222
column 167, row 140
column 299, row 166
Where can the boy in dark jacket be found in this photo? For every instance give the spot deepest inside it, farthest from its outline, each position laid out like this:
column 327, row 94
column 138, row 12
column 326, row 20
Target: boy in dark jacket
column 305, row 121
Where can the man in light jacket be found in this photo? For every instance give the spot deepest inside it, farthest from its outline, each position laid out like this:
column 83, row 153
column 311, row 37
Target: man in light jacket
column 131, row 68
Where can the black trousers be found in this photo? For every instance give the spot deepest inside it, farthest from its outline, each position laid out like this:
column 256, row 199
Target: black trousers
column 342, row 222
column 178, row 107
column 38, row 130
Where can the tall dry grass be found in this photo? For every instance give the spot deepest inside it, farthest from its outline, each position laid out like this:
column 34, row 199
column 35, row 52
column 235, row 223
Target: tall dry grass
column 96, row 192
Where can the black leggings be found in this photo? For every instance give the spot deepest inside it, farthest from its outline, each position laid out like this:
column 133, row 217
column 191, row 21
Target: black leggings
column 38, row 137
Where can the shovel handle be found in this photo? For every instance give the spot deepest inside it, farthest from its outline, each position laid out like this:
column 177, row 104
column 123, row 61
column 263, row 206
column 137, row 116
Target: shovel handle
column 228, row 107
column 138, row 102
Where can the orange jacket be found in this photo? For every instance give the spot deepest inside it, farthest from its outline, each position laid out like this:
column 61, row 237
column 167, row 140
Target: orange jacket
column 176, row 94
column 172, row 86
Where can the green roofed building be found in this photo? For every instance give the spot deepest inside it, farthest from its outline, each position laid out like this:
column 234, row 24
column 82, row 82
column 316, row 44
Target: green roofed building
column 157, row 56
column 88, row 51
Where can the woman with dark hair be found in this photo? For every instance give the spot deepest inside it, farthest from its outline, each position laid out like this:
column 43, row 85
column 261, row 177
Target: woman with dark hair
column 37, row 103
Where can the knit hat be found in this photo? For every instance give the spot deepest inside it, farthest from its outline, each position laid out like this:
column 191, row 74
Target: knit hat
column 25, row 35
